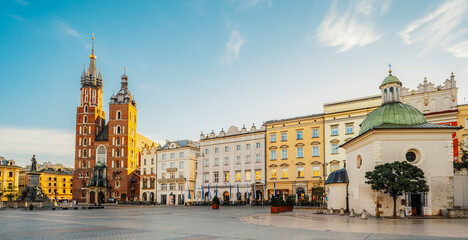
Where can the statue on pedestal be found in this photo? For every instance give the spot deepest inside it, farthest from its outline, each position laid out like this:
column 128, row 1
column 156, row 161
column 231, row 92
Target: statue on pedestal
column 33, row 164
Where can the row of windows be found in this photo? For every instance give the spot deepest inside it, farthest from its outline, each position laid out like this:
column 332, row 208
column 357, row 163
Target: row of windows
column 64, row 191
column 114, row 164
column 238, row 160
column 10, row 174
column 172, row 165
column 172, row 186
column 299, row 135
column 172, row 155
column 85, row 130
column 238, row 148
column 299, row 153
column 299, row 172
column 86, row 96
column 63, row 185
column 151, row 171
column 55, row 179
column 349, row 129
column 144, row 161
column 247, row 176
column 172, row 175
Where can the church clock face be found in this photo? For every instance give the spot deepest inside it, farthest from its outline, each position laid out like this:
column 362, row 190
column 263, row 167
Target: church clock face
column 410, row 156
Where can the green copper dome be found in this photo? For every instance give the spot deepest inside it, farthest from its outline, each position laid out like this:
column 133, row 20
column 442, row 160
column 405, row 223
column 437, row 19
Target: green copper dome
column 392, row 113
column 390, row 79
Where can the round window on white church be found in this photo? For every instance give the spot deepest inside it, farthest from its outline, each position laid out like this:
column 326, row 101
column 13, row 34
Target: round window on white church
column 358, row 162
column 413, row 156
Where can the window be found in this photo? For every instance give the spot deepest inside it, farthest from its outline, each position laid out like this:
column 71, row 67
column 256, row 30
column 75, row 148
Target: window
column 119, row 115
column 207, row 162
column 284, row 173
column 257, row 145
column 258, row 175
column 172, row 186
column 257, row 158
column 349, row 129
column 315, row 151
column 284, row 153
column 238, row 147
column 163, row 186
column 334, row 167
column 316, row 171
column 247, row 159
column 152, row 170
column 300, row 172
column 272, row 137
column 273, row 173
column 466, row 123
column 85, row 120
column 272, row 154
column 216, row 161
column 358, row 162
column 226, row 176
column 172, row 164
column 172, row 155
column 216, row 150
column 300, row 152
column 299, row 135
column 226, row 149
column 284, row 136
column 247, row 146
column 247, row 176
column 334, row 130
column 238, row 177
column 163, row 175
column 10, row 174
column 163, row 166
column 181, row 154
column 152, row 160
column 334, row 148
column 118, row 129
column 181, row 165
column 216, row 177
column 207, row 151
column 86, row 109
column 315, row 133
column 164, row 157
column 226, row 161
column 206, row 177
column 238, row 160
column 144, row 161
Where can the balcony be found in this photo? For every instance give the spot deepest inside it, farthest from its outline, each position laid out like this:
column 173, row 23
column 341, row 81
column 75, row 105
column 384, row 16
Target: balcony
column 171, row 169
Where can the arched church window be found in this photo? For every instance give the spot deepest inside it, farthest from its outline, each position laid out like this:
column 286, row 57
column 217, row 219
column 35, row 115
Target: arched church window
column 85, row 130
column 84, row 152
column 385, row 95
column 119, row 115
column 83, row 184
column 117, row 153
column 117, row 164
column 118, row 141
column 86, row 109
column 85, row 141
column 392, row 97
column 85, row 119
column 118, row 129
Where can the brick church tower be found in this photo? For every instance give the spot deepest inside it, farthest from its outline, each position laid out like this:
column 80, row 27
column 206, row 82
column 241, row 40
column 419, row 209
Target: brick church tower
column 106, row 158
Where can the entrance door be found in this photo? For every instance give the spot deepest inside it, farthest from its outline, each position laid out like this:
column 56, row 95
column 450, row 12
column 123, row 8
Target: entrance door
column 163, row 199
column 226, row 196
column 300, row 193
column 101, row 197
column 416, row 204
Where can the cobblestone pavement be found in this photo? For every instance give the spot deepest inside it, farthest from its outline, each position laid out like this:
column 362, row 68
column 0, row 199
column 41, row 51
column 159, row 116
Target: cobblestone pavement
column 202, row 223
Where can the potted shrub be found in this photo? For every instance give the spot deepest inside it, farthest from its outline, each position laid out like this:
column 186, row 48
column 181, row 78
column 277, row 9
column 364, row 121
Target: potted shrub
column 282, row 204
column 274, row 205
column 290, row 202
column 215, row 204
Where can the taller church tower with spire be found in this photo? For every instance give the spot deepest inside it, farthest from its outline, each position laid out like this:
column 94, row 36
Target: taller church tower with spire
column 106, row 157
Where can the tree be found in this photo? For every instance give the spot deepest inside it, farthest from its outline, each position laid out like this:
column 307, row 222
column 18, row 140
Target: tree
column 397, row 178
column 11, row 192
column 463, row 163
column 318, row 194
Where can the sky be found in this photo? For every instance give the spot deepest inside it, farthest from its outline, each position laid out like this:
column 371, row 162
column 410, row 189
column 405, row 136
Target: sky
column 205, row 65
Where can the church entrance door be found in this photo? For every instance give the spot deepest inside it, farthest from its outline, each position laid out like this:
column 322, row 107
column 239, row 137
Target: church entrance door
column 416, row 204
column 92, row 197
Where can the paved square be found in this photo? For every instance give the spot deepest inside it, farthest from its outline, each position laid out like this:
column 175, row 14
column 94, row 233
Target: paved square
column 199, row 223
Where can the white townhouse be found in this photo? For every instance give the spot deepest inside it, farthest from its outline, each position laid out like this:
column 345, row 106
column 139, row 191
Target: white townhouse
column 148, row 174
column 229, row 162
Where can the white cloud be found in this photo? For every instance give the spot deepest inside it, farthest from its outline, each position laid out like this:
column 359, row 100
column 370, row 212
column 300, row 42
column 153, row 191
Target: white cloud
column 21, row 143
column 65, row 28
column 249, row 4
column 233, row 46
column 18, row 18
column 439, row 28
column 22, row 2
column 353, row 26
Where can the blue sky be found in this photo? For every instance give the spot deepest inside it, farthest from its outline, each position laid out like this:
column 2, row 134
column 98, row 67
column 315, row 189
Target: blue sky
column 200, row 65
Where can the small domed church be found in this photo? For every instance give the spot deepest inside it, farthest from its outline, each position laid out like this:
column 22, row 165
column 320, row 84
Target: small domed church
column 396, row 132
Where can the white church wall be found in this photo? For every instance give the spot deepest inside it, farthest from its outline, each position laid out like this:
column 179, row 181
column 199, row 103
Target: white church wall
column 336, row 194
column 460, row 184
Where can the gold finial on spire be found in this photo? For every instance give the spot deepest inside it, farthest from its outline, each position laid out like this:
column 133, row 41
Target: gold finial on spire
column 390, row 69
column 92, row 56
column 425, row 79
column 452, row 75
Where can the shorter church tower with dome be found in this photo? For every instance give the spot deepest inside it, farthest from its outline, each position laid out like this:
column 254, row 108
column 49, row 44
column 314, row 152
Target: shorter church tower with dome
column 397, row 132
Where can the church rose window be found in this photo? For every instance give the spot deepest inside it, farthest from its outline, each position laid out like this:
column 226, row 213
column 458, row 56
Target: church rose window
column 410, row 156
column 358, row 162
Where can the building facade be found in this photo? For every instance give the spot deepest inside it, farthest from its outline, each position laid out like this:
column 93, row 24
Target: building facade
column 176, row 171
column 295, row 155
column 148, row 174
column 400, row 132
column 106, row 155
column 9, row 175
column 232, row 165
column 463, row 122
column 57, row 185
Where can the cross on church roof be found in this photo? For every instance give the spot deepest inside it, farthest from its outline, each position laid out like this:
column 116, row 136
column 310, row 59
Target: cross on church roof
column 390, row 68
